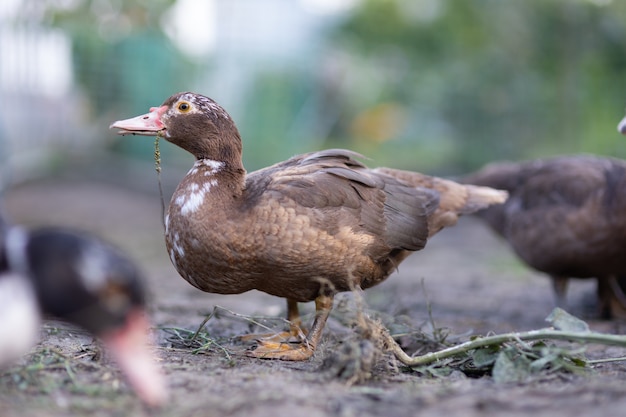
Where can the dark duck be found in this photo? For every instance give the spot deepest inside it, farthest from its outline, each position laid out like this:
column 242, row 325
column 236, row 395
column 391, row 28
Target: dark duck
column 565, row 216
column 303, row 229
column 75, row 277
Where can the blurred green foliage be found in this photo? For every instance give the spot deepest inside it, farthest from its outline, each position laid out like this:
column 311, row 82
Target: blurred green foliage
column 491, row 79
column 120, row 52
column 437, row 85
column 122, row 60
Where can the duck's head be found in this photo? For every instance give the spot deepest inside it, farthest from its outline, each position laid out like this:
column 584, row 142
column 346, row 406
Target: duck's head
column 191, row 121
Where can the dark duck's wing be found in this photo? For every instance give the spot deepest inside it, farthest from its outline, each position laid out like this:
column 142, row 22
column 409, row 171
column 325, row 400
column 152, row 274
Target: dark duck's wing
column 80, row 279
column 564, row 217
column 302, row 229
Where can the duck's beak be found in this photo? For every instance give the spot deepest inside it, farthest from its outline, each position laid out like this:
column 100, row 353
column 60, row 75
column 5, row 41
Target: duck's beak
column 148, row 124
column 621, row 127
column 129, row 347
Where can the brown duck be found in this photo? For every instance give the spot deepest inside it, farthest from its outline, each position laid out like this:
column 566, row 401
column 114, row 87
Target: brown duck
column 303, row 229
column 566, row 217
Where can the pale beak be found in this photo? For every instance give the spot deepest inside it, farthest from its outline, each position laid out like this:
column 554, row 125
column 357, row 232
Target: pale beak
column 129, row 347
column 148, row 124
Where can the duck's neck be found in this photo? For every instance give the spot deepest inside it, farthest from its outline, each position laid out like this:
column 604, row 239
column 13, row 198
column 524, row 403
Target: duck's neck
column 221, row 182
column 221, row 156
column 230, row 173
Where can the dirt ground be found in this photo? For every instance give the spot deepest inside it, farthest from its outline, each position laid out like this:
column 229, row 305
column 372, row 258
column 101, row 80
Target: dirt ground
column 473, row 283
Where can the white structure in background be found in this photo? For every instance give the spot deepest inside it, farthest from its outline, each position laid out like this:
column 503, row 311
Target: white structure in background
column 41, row 112
column 202, row 27
column 35, row 61
column 35, row 94
column 241, row 37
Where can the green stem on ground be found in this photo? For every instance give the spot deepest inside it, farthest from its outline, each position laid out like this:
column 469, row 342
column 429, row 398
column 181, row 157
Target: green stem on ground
column 582, row 337
column 605, row 360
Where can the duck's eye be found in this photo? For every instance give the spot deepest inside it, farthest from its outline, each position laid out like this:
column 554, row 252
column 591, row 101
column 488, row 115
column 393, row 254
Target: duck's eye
column 184, row 107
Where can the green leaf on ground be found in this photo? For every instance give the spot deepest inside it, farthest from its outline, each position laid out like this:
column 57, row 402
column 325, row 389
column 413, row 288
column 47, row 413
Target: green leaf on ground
column 562, row 320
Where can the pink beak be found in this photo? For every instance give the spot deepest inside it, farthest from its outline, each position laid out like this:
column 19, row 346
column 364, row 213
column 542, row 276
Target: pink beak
column 147, row 124
column 129, row 347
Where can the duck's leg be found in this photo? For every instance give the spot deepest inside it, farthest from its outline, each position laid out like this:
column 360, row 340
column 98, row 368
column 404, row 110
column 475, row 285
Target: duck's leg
column 611, row 297
column 302, row 350
column 295, row 327
column 559, row 285
column 295, row 322
column 604, row 298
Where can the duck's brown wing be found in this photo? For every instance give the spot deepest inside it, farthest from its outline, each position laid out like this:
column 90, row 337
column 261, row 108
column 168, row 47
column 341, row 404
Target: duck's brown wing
column 454, row 199
column 337, row 190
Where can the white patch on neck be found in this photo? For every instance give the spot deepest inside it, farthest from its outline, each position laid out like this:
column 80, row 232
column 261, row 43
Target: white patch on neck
column 20, row 316
column 191, row 201
column 193, row 196
column 213, row 167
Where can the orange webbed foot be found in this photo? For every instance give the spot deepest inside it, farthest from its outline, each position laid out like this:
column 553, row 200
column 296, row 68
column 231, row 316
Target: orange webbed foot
column 304, row 345
column 286, row 351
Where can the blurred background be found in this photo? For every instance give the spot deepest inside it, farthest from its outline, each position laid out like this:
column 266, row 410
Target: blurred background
column 439, row 86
